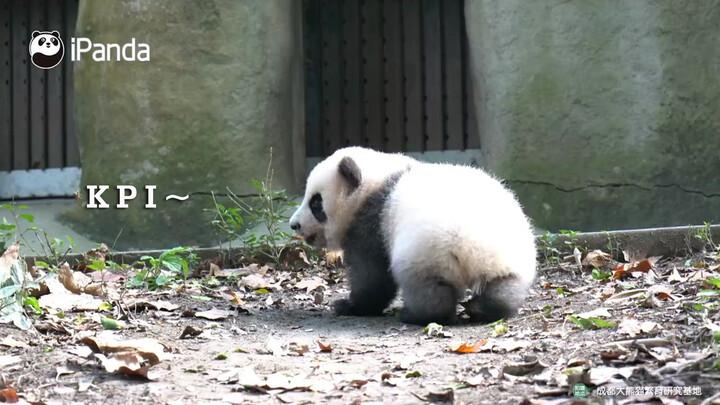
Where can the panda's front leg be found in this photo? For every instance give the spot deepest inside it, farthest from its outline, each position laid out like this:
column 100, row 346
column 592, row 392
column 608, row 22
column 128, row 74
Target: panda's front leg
column 371, row 286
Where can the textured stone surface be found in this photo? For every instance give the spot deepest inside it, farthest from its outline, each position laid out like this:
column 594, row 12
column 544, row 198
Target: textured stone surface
column 601, row 114
column 223, row 85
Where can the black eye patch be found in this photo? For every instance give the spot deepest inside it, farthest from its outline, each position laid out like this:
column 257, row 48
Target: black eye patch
column 316, row 207
column 41, row 41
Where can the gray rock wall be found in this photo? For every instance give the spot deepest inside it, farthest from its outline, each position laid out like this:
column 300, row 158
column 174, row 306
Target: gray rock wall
column 223, row 86
column 601, row 114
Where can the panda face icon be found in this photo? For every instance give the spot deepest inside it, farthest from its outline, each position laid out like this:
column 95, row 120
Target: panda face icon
column 46, row 49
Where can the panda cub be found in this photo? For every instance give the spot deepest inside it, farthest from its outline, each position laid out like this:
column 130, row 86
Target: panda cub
column 433, row 230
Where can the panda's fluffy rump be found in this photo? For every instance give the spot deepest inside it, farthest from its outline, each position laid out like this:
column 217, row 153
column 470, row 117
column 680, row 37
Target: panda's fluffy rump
column 457, row 223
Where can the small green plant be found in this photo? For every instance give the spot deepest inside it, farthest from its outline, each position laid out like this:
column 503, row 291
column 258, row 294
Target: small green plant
column 7, row 234
column 171, row 265
column 53, row 250
column 268, row 207
column 704, row 234
column 547, row 247
column 609, row 244
column 562, row 292
column 597, row 274
column 547, row 311
column 499, row 328
column 590, row 322
column 571, row 240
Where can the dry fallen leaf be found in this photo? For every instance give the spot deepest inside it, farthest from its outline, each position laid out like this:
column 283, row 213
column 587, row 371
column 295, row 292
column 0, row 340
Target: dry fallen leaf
column 642, row 266
column 596, row 259
column 9, row 395
column 310, row 284
column 9, row 257
column 150, row 349
column 99, row 253
column 627, row 294
column 69, row 280
column 324, row 347
column 507, row 345
column 190, row 331
column 529, row 365
column 254, row 282
column 577, row 254
column 216, row 271
column 675, row 276
column 213, row 314
column 127, row 363
column 298, row 348
column 156, row 305
column 467, row 348
column 295, row 259
column 8, row 359
column 633, row 327
column 60, row 298
column 10, row 341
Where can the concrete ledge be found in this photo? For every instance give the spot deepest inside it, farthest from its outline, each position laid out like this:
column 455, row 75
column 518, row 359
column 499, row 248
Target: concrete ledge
column 652, row 242
column 39, row 183
column 673, row 241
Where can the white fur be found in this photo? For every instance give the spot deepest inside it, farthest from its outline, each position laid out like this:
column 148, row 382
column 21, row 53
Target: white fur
column 458, row 221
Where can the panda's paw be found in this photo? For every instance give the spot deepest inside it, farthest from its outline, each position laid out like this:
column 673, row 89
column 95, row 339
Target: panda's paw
column 418, row 318
column 349, row 307
column 343, row 307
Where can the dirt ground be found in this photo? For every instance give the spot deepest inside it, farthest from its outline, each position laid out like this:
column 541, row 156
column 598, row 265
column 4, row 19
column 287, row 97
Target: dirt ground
column 649, row 332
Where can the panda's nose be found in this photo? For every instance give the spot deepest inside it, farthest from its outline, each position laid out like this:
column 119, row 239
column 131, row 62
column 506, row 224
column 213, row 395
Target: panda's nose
column 295, row 226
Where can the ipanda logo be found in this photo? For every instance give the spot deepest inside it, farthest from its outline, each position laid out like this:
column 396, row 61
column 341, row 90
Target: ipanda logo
column 47, row 50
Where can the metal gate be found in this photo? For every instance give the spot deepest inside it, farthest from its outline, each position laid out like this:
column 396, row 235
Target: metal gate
column 36, row 114
column 390, row 74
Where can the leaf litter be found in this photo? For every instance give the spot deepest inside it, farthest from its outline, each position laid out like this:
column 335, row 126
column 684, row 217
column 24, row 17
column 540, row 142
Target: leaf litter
column 271, row 334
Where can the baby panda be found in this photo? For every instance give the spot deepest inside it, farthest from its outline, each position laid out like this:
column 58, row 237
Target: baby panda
column 433, row 230
column 46, row 49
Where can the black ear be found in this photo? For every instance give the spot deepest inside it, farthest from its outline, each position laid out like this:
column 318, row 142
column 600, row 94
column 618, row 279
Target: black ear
column 35, row 33
column 350, row 171
column 55, row 34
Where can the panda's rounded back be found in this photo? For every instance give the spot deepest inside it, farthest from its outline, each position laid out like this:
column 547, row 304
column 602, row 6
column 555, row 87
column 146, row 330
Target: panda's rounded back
column 458, row 220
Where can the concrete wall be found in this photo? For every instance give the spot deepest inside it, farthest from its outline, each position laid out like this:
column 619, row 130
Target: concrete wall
column 601, row 114
column 223, row 85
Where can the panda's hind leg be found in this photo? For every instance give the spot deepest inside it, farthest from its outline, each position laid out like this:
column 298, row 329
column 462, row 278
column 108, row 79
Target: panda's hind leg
column 498, row 299
column 427, row 300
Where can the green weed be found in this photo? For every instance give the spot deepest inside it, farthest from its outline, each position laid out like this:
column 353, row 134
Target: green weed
column 52, row 250
column 171, row 265
column 548, row 249
column 704, row 234
column 268, row 207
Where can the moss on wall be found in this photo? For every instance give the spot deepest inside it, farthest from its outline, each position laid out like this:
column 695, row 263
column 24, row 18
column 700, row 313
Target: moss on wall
column 220, row 89
column 601, row 115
